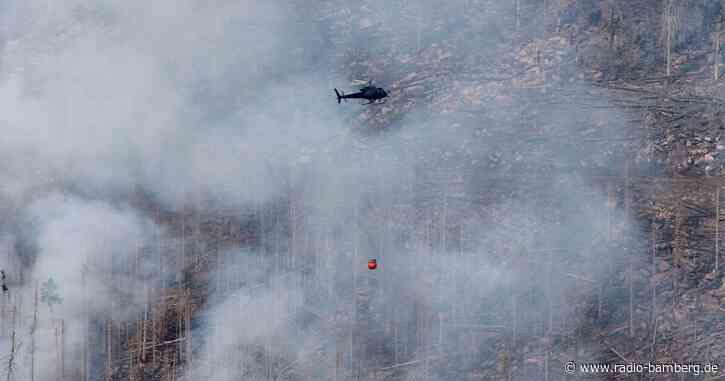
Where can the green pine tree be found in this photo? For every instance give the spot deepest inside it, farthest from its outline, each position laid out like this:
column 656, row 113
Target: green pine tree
column 49, row 293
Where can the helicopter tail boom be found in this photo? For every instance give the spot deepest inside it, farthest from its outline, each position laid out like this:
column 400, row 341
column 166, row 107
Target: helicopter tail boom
column 339, row 97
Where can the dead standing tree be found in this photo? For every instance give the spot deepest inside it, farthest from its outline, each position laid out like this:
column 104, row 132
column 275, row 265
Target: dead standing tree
column 716, row 51
column 629, row 241
column 718, row 217
column 33, row 329
column 670, row 24
column 13, row 346
column 11, row 358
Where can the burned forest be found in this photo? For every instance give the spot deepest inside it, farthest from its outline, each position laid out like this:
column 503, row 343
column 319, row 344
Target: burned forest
column 183, row 198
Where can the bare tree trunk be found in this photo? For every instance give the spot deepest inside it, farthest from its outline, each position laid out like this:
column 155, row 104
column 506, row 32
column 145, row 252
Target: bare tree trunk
column 514, row 320
column 339, row 330
column 444, row 220
column 716, row 55
column 338, row 366
column 540, row 66
column 419, row 29
column 3, row 312
column 277, row 253
column 158, row 247
column 293, row 232
column 144, row 328
column 514, row 332
column 654, row 272
column 198, row 254
column 32, row 332
column 59, row 341
column 153, row 333
column 612, row 29
column 84, row 360
column 717, row 232
column 139, row 320
column 611, row 203
column 108, row 351
column 396, row 329
column 182, row 261
column 354, row 323
column 549, row 322
column 630, row 270
column 180, row 333
column 440, row 332
column 680, row 241
column 668, row 33
column 12, row 357
column 131, row 369
column 268, row 362
column 187, row 332
column 654, row 340
column 461, row 303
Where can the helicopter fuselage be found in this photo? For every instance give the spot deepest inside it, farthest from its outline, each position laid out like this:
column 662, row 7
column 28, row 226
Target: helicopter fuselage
column 369, row 93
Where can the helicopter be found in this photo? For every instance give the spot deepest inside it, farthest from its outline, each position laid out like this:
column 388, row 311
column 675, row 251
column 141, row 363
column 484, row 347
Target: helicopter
column 369, row 92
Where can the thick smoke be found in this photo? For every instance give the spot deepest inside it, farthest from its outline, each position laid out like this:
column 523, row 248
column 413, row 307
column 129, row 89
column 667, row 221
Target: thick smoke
column 107, row 95
column 231, row 101
column 80, row 245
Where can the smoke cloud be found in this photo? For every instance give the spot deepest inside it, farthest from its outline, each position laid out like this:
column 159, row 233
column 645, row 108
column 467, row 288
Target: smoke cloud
column 231, row 102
